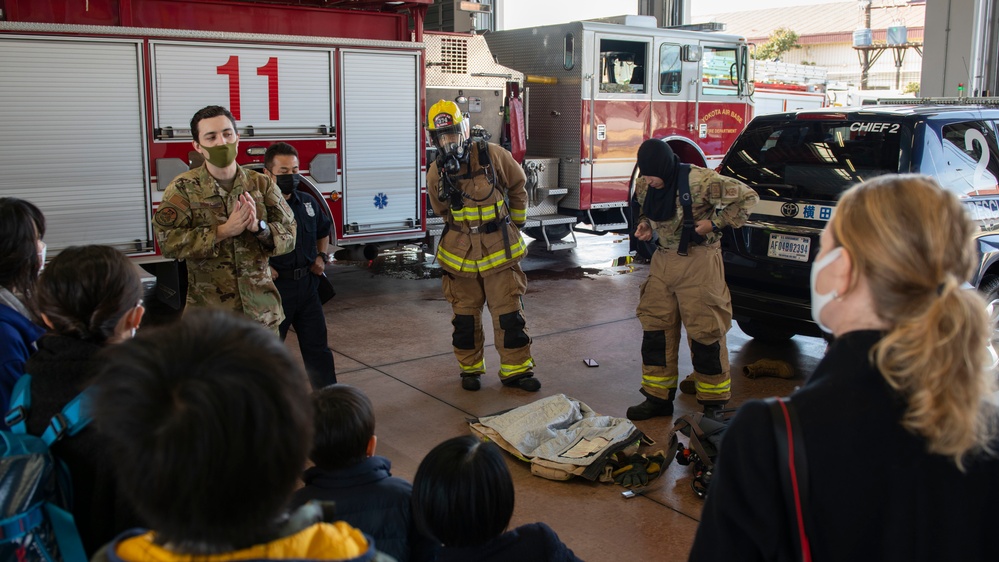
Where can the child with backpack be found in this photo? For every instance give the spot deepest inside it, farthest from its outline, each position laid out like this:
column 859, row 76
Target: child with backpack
column 348, row 473
column 89, row 297
column 463, row 496
column 207, row 428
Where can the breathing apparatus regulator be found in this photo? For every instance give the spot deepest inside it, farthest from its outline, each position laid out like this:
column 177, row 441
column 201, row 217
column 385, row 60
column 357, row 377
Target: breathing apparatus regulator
column 448, row 132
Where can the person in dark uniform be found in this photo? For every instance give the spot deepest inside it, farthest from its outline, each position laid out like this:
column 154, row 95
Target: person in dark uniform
column 298, row 274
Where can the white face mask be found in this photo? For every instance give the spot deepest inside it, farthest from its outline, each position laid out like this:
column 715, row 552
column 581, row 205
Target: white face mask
column 42, row 251
column 820, row 301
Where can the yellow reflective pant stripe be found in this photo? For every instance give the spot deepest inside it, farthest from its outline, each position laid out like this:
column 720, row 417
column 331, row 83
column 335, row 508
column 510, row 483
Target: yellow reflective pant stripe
column 721, row 388
column 659, row 382
column 476, row 369
column 511, row 370
column 485, row 264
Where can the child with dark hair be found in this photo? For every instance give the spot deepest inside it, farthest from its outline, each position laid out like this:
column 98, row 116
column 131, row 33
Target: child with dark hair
column 89, row 297
column 348, row 473
column 463, row 496
column 209, row 435
column 22, row 254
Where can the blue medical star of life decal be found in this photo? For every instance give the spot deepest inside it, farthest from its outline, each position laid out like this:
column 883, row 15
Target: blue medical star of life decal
column 381, row 200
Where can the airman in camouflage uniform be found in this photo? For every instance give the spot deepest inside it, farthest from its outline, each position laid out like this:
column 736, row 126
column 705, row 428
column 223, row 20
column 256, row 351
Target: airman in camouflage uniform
column 685, row 288
column 226, row 226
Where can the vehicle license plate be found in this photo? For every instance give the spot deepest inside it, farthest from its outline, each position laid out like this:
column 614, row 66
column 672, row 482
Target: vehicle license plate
column 787, row 247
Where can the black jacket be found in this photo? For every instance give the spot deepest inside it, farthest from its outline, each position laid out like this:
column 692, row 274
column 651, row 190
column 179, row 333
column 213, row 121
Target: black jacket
column 875, row 491
column 60, row 369
column 368, row 497
column 535, row 542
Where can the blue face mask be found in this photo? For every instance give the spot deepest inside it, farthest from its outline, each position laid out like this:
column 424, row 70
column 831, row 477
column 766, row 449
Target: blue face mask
column 820, row 301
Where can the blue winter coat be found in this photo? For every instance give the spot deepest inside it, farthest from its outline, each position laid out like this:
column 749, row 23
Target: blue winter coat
column 17, row 341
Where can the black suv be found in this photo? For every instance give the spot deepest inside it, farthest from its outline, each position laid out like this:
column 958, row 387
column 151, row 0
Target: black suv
column 799, row 163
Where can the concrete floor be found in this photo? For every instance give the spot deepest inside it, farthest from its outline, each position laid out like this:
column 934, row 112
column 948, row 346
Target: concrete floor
column 390, row 329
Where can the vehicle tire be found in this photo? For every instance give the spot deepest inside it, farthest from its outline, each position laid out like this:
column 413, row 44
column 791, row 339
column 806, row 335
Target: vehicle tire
column 989, row 288
column 764, row 331
column 556, row 232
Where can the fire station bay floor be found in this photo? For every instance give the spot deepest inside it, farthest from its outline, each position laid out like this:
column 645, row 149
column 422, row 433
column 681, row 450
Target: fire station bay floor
column 390, row 328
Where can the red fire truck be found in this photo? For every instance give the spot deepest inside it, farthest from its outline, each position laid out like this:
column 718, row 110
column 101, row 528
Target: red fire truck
column 607, row 85
column 96, row 99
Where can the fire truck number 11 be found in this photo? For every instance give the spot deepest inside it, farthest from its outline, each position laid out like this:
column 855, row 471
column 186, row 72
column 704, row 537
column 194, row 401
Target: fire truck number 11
column 270, row 70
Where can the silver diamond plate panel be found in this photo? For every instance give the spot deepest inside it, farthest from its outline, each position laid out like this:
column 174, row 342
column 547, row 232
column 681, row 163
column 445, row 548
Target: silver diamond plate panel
column 463, row 61
column 554, row 110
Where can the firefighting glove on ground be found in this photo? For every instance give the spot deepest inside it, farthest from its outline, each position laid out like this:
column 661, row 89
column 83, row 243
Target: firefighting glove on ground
column 637, row 470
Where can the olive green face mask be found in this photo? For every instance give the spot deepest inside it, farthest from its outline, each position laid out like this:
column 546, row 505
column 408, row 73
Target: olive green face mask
column 221, row 156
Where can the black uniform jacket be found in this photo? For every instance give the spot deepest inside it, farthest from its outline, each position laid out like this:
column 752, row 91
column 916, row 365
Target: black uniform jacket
column 875, row 491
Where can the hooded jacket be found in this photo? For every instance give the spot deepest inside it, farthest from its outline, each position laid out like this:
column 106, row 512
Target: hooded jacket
column 17, row 341
column 368, row 497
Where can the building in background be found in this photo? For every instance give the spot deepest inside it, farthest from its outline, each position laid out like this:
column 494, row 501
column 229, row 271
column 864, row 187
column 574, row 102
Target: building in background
column 463, row 16
column 828, row 33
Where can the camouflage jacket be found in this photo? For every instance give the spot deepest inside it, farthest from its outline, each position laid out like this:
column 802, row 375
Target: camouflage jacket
column 720, row 199
column 234, row 273
column 469, row 246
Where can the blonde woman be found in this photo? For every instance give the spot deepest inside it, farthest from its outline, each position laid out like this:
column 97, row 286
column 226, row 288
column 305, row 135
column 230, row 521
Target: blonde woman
column 899, row 430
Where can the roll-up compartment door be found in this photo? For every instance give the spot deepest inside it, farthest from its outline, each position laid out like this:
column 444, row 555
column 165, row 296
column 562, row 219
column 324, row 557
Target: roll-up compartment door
column 381, row 155
column 71, row 139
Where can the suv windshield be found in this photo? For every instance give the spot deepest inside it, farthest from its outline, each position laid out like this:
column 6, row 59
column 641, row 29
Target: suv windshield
column 812, row 159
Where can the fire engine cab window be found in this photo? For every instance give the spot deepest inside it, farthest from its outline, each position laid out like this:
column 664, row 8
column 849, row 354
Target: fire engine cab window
column 718, row 72
column 669, row 69
column 971, row 159
column 622, row 67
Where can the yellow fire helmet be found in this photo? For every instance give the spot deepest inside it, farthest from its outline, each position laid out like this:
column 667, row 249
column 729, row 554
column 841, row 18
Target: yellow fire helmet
column 443, row 120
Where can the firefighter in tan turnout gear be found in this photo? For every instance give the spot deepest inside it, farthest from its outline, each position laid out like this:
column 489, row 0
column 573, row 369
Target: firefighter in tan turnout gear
column 478, row 188
column 686, row 207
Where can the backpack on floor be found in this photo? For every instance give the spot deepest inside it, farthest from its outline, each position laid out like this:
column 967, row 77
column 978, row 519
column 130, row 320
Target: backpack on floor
column 35, row 519
column 704, row 438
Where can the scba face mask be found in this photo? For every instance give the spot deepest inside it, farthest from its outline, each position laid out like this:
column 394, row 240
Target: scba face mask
column 820, row 301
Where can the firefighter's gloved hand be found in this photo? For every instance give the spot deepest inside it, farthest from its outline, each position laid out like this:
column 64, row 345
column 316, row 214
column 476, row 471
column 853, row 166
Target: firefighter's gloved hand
column 634, row 472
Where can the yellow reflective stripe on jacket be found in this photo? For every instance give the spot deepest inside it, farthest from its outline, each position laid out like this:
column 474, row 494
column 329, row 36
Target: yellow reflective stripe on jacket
column 720, row 388
column 484, row 214
column 475, row 369
column 485, row 264
column 659, row 382
column 511, row 370
column 518, row 215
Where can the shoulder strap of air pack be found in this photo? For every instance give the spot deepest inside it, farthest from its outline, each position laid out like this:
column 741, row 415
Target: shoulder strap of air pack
column 683, row 192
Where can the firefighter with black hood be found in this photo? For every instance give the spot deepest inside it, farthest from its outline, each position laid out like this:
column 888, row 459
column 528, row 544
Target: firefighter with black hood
column 685, row 208
column 478, row 189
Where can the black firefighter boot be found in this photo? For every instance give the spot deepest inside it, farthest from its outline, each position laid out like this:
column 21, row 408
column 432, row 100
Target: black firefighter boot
column 652, row 407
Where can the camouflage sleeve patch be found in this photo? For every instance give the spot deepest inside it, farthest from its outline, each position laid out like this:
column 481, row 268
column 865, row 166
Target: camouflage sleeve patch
column 166, row 216
column 177, row 200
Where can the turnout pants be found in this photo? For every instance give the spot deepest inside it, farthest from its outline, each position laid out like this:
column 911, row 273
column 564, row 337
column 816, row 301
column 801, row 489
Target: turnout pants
column 689, row 289
column 502, row 291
